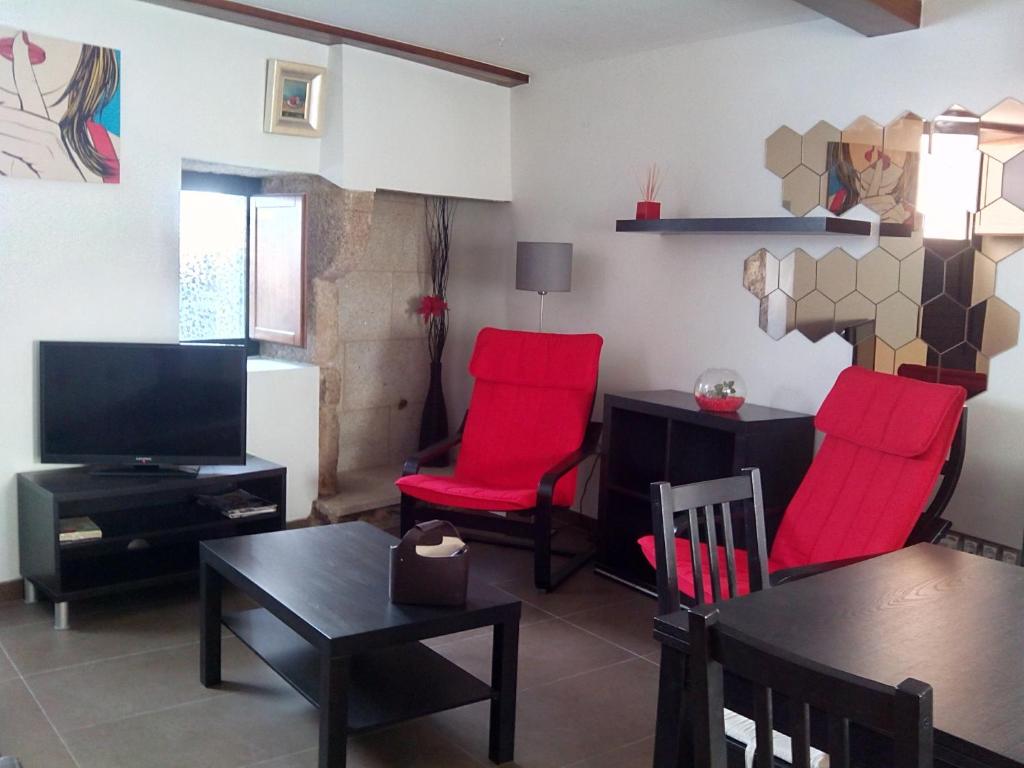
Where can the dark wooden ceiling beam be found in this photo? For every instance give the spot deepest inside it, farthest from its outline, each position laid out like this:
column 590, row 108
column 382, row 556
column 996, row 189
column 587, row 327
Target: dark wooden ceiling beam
column 328, row 34
column 871, row 17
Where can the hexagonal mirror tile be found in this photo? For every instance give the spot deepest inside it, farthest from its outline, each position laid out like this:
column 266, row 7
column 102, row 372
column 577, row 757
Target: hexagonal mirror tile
column 1001, row 134
column 837, row 274
column 798, row 273
column 782, row 151
column 878, row 274
column 815, row 145
column 815, row 316
column 970, row 278
column 933, row 276
column 761, row 273
column 901, row 247
column 1013, row 180
column 914, row 353
column 912, row 275
column 863, row 130
column 801, row 191
column 853, row 313
column 777, row 314
column 903, row 134
column 993, row 326
column 896, row 320
column 943, row 323
column 998, row 247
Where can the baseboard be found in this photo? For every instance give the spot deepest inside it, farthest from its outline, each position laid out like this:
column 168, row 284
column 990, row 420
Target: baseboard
column 12, row 590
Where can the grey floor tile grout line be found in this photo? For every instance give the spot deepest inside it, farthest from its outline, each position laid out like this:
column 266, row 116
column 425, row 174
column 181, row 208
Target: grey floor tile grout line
column 42, row 711
column 88, row 662
column 11, row 662
column 610, row 642
column 577, row 674
column 606, row 752
column 270, row 760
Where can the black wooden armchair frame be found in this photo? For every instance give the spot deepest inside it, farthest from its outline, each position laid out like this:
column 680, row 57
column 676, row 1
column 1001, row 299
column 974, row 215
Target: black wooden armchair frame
column 537, row 529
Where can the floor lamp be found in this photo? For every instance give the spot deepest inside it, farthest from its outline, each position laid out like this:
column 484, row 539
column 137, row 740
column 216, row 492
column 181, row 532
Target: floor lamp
column 544, row 268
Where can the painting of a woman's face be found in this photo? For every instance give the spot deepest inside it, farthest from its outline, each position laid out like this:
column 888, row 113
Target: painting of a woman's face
column 60, row 115
column 53, row 63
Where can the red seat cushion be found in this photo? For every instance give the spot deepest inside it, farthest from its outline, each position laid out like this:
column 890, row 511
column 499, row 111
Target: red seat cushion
column 684, row 567
column 449, row 492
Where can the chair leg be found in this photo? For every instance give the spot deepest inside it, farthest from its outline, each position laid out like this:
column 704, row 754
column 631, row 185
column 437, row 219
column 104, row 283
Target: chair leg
column 542, row 547
column 672, row 745
column 407, row 513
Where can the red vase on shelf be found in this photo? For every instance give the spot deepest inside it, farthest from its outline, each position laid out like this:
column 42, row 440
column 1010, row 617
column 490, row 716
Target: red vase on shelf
column 648, row 210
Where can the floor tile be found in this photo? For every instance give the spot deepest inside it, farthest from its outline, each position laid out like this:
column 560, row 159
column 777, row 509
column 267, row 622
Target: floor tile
column 14, row 613
column 639, row 754
column 7, row 670
column 548, row 651
column 113, row 630
column 411, row 745
column 572, row 720
column 530, row 615
column 25, row 732
column 628, row 624
column 99, row 692
column 249, row 724
column 583, row 590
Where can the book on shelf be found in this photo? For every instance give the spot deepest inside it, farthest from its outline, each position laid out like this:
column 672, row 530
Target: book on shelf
column 79, row 529
column 237, row 504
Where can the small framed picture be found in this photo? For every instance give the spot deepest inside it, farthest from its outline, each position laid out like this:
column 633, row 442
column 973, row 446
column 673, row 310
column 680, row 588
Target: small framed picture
column 294, row 102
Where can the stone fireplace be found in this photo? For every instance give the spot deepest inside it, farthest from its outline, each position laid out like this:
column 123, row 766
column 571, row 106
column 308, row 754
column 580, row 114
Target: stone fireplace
column 367, row 261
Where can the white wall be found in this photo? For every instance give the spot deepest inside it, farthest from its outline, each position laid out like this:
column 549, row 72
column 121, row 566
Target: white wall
column 412, row 128
column 283, row 425
column 669, row 307
column 90, row 261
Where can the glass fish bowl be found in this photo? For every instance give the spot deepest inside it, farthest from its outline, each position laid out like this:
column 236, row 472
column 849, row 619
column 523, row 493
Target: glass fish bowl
column 720, row 390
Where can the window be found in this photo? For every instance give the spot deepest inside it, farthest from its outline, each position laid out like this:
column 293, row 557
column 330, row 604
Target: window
column 241, row 262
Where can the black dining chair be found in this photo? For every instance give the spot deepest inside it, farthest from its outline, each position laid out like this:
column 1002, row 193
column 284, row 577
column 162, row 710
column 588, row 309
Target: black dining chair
column 692, row 523
column 902, row 714
column 699, row 517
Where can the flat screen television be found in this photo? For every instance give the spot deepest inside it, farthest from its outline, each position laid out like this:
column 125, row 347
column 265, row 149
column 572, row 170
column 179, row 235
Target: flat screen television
column 142, row 405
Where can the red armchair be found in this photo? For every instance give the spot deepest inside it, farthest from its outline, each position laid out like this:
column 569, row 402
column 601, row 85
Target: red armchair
column 526, row 431
column 886, row 443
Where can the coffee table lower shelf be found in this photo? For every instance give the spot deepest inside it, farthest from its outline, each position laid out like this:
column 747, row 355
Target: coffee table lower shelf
column 386, row 686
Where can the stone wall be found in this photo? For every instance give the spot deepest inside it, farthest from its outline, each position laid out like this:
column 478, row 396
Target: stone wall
column 367, row 261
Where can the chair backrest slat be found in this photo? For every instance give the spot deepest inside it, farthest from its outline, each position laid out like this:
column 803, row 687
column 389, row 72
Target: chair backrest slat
column 800, row 732
column 838, row 742
column 695, row 556
column 730, row 547
column 712, row 540
column 902, row 713
column 704, row 509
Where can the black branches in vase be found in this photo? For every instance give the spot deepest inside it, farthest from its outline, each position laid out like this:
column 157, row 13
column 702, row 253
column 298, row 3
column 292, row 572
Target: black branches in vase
column 434, row 307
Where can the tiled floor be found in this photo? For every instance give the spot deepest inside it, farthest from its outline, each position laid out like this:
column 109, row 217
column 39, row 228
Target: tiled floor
column 121, row 689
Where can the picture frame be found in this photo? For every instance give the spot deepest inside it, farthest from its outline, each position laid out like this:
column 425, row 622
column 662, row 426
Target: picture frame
column 294, row 99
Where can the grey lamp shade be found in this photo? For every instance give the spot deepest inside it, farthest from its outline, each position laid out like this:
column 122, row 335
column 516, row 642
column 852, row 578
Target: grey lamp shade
column 544, row 267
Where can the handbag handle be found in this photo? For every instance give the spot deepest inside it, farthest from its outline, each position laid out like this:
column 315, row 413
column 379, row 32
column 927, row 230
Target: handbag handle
column 428, row 532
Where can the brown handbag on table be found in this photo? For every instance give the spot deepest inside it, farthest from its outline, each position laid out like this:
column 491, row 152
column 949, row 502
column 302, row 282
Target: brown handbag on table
column 430, row 566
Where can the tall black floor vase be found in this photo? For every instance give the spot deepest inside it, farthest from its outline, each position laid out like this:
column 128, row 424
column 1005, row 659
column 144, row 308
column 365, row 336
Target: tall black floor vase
column 434, row 424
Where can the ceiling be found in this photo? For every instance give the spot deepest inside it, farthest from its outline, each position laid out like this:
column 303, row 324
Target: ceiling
column 535, row 36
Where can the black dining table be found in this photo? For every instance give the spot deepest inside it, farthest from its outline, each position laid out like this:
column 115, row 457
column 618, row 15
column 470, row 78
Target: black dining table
column 950, row 619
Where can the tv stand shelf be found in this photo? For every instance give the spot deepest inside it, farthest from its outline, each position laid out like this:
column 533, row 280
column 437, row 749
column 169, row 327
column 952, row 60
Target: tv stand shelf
column 152, row 526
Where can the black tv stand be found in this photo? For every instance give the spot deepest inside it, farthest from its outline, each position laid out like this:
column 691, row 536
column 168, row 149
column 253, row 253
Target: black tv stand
column 142, row 470
column 152, row 525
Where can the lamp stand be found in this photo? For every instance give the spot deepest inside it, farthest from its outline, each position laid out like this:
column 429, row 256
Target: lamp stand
column 540, row 323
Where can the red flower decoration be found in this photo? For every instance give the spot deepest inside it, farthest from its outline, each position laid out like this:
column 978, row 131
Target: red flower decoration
column 432, row 306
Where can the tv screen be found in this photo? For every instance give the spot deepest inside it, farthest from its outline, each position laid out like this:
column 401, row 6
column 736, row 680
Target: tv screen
column 142, row 403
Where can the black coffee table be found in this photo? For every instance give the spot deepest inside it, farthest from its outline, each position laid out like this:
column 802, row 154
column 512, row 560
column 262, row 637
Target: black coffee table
column 325, row 624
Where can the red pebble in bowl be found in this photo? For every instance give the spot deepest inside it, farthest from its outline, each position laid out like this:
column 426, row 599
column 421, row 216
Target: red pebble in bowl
column 727, row 404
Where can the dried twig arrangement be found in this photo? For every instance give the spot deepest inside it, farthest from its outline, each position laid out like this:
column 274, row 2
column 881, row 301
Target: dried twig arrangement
column 650, row 184
column 440, row 212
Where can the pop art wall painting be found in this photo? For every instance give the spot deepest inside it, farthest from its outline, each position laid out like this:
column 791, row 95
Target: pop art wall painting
column 60, row 109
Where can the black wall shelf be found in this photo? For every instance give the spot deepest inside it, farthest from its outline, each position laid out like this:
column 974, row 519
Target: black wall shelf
column 794, row 225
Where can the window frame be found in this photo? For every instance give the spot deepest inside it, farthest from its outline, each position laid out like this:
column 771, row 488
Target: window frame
column 241, row 186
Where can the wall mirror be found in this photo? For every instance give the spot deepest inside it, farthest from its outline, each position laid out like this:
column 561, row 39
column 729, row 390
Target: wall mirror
column 924, row 305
